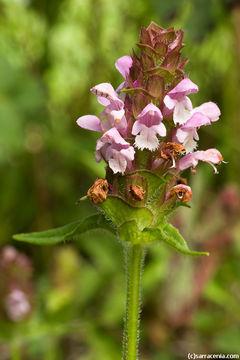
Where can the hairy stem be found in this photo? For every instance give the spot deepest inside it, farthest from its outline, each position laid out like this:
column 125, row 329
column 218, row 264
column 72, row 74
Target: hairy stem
column 134, row 261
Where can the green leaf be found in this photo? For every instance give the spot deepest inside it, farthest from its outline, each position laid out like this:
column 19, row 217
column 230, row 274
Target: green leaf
column 67, row 232
column 170, row 235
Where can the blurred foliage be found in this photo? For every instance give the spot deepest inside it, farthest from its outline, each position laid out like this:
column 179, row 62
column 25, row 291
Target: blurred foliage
column 51, row 53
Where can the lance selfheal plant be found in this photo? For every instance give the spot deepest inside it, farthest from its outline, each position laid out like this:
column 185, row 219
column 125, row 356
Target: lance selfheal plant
column 149, row 131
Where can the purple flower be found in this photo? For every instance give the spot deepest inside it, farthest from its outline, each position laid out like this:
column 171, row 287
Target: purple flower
column 16, row 290
column 17, row 305
column 211, row 156
column 107, row 95
column 90, row 122
column 186, row 134
column 112, row 116
column 123, row 65
column 148, row 126
column 209, row 109
column 177, row 100
column 117, row 152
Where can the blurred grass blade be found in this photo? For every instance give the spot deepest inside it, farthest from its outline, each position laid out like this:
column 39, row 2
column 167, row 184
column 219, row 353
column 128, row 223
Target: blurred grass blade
column 67, row 232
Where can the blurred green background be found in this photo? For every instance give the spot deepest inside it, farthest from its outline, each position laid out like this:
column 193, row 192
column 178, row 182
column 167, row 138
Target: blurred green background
column 51, row 53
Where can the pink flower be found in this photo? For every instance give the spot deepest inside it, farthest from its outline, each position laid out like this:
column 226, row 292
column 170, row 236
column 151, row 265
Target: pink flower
column 114, row 111
column 112, row 116
column 177, row 100
column 148, row 126
column 117, row 152
column 107, row 95
column 17, row 305
column 123, row 65
column 209, row 109
column 186, row 134
column 90, row 122
column 211, row 156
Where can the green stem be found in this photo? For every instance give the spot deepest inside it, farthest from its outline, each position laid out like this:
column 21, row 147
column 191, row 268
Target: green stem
column 134, row 262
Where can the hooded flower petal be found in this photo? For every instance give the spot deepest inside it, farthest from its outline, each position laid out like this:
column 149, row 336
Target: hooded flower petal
column 123, row 65
column 149, row 125
column 209, row 109
column 150, row 115
column 211, row 156
column 185, row 87
column 202, row 115
column 119, row 160
column 177, row 100
column 112, row 136
column 107, row 95
column 186, row 133
column 113, row 118
column 90, row 122
column 115, row 150
column 196, row 120
column 114, row 113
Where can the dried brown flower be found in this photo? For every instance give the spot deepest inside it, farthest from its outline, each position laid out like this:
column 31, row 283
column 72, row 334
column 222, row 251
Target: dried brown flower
column 183, row 192
column 98, row 191
column 136, row 192
column 171, row 149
